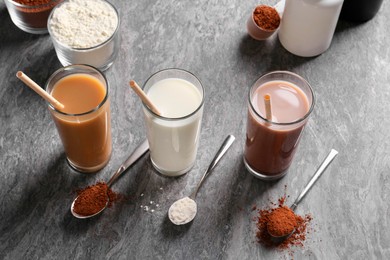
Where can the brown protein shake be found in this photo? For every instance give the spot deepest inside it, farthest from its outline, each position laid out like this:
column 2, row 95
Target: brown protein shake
column 84, row 123
column 271, row 143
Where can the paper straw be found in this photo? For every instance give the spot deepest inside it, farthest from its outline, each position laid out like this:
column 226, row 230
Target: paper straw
column 144, row 97
column 267, row 103
column 34, row 86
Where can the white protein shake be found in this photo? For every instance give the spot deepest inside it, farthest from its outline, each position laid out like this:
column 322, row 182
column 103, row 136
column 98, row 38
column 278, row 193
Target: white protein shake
column 173, row 137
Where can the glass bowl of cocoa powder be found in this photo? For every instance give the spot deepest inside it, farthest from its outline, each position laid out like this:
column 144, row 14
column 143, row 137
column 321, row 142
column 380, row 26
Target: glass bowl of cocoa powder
column 31, row 15
column 263, row 22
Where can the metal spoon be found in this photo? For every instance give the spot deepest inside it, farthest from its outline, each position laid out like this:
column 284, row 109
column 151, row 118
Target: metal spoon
column 137, row 154
column 316, row 176
column 190, row 201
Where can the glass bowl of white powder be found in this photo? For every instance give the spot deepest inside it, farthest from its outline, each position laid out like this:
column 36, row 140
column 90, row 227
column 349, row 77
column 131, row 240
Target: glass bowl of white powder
column 85, row 32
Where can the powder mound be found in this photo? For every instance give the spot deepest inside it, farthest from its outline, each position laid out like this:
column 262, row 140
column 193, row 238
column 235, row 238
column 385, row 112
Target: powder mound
column 91, row 200
column 83, row 23
column 182, row 211
column 94, row 198
column 282, row 221
column 33, row 2
column 269, row 217
column 266, row 17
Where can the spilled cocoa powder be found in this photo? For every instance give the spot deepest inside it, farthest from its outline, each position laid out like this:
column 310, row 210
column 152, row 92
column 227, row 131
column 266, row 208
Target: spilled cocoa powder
column 297, row 238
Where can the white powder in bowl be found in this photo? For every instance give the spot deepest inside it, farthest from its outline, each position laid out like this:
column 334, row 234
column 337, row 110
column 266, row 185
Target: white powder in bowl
column 83, row 23
column 182, row 211
column 85, row 32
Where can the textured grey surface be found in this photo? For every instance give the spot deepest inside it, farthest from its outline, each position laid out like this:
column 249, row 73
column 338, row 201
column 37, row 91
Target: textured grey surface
column 350, row 204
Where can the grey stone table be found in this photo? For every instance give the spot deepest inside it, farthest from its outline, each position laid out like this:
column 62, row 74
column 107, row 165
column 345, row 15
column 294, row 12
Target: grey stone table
column 349, row 205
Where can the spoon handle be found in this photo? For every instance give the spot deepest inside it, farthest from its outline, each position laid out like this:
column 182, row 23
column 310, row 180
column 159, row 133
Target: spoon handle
column 221, row 152
column 137, row 153
column 315, row 177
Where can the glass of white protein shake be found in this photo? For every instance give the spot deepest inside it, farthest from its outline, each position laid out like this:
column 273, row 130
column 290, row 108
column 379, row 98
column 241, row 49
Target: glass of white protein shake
column 174, row 135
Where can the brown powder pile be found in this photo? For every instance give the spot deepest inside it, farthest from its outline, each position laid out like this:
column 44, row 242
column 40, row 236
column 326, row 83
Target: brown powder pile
column 296, row 239
column 282, row 222
column 93, row 198
column 33, row 2
column 266, row 17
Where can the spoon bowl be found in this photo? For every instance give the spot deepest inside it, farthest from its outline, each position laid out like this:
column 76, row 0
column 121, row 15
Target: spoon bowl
column 281, row 224
column 279, row 239
column 184, row 210
column 89, row 216
column 133, row 158
column 187, row 208
column 309, row 185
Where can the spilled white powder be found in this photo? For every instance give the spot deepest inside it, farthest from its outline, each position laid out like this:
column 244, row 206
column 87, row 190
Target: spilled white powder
column 182, row 211
column 83, row 23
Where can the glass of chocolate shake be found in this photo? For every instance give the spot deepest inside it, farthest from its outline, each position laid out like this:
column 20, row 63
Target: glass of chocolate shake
column 272, row 138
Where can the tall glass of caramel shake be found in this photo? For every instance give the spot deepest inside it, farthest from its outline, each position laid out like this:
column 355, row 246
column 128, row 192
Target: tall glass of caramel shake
column 84, row 124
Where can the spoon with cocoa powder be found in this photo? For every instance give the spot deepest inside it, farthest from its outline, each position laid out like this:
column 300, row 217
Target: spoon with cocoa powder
column 94, row 199
column 282, row 221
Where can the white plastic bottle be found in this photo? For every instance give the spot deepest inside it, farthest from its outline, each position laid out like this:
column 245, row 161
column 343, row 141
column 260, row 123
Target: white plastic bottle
column 308, row 26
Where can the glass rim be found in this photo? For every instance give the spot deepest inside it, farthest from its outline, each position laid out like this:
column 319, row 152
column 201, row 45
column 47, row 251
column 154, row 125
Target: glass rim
column 175, row 118
column 284, row 123
column 88, row 48
column 101, row 103
column 33, row 6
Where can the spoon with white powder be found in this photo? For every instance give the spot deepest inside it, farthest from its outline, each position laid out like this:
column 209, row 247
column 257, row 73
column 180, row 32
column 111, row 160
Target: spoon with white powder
column 184, row 210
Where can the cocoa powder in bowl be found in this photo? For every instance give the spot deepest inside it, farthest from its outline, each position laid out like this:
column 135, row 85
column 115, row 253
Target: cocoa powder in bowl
column 266, row 17
column 31, row 15
column 263, row 22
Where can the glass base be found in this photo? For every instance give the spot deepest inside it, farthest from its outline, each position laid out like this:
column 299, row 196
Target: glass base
column 262, row 176
column 86, row 169
column 171, row 173
column 32, row 30
column 19, row 21
column 104, row 67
